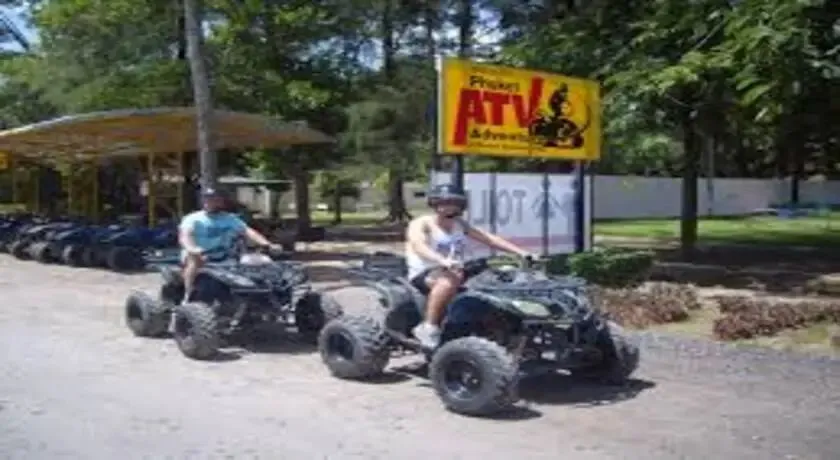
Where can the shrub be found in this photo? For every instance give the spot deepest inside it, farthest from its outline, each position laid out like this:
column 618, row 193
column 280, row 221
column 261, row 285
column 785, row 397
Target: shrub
column 611, row 267
column 659, row 303
column 746, row 318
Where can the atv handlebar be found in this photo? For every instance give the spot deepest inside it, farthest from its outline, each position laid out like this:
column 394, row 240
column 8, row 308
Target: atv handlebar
column 233, row 253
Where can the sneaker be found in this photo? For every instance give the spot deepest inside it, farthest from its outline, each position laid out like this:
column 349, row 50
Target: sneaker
column 427, row 334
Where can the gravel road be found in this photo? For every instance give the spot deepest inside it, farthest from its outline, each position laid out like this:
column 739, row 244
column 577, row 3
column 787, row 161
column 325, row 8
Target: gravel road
column 74, row 384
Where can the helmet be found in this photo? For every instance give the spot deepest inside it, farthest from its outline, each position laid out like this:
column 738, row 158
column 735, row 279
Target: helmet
column 446, row 193
column 212, row 193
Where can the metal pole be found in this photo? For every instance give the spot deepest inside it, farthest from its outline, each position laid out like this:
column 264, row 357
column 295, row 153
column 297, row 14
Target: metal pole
column 546, row 209
column 201, row 92
column 580, row 207
column 492, row 205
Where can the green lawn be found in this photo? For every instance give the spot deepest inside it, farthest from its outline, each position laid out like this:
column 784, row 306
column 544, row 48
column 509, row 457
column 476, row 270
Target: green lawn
column 803, row 231
column 348, row 218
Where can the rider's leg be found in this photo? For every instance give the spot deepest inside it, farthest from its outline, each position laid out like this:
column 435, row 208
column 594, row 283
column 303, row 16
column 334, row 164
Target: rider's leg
column 192, row 263
column 443, row 287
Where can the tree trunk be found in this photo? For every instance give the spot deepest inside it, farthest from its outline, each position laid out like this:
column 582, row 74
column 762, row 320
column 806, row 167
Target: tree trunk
column 688, row 220
column 396, row 202
column 301, row 184
column 336, row 208
column 201, row 92
column 466, row 24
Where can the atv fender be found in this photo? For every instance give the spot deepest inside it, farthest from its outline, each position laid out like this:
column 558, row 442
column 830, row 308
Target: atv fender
column 171, row 275
column 227, row 278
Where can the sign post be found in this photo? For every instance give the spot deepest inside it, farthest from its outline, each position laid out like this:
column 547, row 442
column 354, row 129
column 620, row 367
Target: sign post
column 490, row 110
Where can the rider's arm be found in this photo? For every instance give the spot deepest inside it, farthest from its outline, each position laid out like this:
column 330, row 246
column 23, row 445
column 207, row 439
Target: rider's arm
column 494, row 241
column 256, row 237
column 416, row 239
column 252, row 235
column 186, row 231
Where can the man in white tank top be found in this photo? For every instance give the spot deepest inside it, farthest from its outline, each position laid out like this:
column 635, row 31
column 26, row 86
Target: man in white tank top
column 434, row 251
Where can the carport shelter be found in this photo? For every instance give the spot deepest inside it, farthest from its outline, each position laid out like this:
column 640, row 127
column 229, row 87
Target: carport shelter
column 76, row 144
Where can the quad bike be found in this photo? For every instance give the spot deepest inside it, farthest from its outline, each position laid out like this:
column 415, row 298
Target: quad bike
column 29, row 237
column 125, row 250
column 505, row 323
column 231, row 295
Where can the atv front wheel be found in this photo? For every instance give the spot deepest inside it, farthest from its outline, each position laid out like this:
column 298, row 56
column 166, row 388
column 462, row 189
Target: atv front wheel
column 145, row 316
column 312, row 312
column 18, row 249
column 73, row 255
column 93, row 256
column 619, row 357
column 354, row 347
column 41, row 252
column 474, row 376
column 196, row 330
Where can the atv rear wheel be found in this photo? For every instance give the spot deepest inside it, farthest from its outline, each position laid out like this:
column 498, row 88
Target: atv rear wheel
column 196, row 330
column 312, row 312
column 18, row 249
column 619, row 357
column 124, row 259
column 145, row 316
column 354, row 347
column 474, row 376
column 73, row 255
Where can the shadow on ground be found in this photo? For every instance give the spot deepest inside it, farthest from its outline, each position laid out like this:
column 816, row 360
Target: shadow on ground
column 564, row 390
column 551, row 389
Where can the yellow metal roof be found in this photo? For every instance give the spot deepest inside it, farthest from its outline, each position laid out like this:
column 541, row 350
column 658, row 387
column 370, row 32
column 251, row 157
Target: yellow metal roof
column 144, row 131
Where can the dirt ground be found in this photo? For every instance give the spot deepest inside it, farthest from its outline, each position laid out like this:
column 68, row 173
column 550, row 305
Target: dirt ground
column 74, row 384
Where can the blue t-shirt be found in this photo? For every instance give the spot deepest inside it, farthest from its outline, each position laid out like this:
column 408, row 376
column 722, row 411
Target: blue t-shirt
column 213, row 231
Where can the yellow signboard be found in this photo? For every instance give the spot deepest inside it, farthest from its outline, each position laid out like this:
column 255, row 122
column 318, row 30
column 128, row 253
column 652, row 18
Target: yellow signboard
column 507, row 112
column 4, row 161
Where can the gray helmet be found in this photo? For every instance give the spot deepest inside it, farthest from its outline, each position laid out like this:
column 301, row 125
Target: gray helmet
column 212, row 193
column 446, row 193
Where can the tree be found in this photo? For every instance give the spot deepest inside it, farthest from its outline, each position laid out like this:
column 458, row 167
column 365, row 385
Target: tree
column 201, row 90
column 334, row 187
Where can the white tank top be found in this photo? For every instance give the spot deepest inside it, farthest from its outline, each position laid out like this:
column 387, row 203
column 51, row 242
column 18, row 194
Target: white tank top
column 448, row 244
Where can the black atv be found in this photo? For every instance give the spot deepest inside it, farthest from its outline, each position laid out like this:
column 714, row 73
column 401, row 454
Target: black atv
column 505, row 323
column 232, row 295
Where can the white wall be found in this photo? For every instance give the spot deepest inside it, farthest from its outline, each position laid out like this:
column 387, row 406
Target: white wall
column 618, row 197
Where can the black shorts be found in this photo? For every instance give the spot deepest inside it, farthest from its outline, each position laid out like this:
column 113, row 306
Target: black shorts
column 420, row 282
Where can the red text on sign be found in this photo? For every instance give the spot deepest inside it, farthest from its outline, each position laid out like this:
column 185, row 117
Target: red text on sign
column 483, row 107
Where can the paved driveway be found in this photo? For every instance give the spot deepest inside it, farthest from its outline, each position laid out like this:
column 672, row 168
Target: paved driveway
column 75, row 384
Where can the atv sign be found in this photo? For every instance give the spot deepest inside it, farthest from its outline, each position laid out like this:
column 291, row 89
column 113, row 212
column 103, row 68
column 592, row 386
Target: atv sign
column 509, row 112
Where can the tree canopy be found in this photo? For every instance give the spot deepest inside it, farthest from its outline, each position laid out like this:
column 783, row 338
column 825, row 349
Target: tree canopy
column 753, row 84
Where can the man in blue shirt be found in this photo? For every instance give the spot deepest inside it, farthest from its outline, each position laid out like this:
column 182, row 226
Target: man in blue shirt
column 211, row 229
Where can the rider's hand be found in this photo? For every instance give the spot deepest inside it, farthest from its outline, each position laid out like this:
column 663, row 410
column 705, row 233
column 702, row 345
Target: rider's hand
column 196, row 252
column 528, row 259
column 452, row 264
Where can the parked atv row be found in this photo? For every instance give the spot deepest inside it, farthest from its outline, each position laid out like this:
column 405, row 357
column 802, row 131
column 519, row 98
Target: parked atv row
column 79, row 244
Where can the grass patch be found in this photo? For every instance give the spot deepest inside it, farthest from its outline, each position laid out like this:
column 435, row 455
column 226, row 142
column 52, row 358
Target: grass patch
column 353, row 219
column 802, row 231
column 816, row 338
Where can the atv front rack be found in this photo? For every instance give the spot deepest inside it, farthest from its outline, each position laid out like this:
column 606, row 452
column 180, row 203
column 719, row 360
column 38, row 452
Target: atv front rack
column 565, row 292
